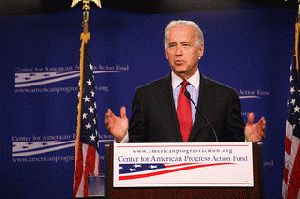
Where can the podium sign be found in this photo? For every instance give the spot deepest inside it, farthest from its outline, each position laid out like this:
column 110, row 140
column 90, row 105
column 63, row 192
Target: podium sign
column 205, row 164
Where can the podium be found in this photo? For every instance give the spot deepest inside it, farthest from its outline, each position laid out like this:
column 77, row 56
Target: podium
column 257, row 191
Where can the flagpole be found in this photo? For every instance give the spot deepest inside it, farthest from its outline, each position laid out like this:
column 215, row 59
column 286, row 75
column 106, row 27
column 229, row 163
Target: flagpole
column 297, row 30
column 85, row 37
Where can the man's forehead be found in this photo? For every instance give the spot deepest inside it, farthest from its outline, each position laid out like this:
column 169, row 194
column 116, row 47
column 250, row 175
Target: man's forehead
column 182, row 33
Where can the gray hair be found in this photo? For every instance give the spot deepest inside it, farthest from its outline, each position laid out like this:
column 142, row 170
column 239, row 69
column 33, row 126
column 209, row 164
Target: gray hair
column 172, row 24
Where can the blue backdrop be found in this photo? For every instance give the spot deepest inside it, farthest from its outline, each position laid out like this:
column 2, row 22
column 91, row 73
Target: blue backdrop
column 248, row 48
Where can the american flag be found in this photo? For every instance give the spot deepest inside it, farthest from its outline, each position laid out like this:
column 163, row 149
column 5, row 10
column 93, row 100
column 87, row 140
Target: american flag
column 291, row 181
column 87, row 159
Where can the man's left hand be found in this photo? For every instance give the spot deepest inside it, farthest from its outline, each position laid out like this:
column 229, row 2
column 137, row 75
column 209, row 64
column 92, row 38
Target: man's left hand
column 255, row 132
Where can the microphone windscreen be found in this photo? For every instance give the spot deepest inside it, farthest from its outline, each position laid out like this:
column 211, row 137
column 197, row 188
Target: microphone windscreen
column 187, row 94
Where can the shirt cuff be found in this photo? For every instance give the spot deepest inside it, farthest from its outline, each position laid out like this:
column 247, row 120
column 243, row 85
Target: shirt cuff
column 125, row 139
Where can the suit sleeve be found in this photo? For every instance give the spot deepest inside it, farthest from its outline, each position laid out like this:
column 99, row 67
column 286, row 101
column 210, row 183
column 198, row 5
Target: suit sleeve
column 235, row 122
column 137, row 125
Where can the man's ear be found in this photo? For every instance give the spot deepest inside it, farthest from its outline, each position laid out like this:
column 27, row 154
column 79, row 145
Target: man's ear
column 201, row 51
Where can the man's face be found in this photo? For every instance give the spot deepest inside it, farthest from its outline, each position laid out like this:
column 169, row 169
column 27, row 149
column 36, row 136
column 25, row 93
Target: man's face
column 182, row 51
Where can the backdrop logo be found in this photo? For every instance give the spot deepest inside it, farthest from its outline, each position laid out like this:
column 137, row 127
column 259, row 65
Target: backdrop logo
column 252, row 94
column 38, row 148
column 42, row 80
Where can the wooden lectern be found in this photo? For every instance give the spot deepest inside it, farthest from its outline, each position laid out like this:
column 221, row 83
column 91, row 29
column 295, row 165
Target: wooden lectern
column 255, row 192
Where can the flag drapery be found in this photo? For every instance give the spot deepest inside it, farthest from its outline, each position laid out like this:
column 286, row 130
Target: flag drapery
column 291, row 180
column 87, row 159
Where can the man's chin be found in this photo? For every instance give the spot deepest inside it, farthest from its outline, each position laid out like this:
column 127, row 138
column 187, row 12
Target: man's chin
column 179, row 69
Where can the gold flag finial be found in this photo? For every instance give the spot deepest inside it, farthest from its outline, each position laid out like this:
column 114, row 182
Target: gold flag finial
column 97, row 2
column 86, row 11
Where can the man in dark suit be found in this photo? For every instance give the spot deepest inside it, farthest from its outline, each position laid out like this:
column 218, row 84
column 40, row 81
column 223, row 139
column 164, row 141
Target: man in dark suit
column 163, row 113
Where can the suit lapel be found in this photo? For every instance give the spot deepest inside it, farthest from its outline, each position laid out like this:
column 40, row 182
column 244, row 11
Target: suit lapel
column 204, row 102
column 168, row 109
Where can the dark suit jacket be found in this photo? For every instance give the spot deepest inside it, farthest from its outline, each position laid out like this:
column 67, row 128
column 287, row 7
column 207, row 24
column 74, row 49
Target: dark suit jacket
column 154, row 117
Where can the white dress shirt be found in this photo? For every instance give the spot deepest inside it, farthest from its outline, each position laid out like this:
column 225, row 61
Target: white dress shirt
column 192, row 88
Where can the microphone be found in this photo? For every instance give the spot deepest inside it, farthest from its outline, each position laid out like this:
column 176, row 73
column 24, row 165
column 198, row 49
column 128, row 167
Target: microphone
column 188, row 95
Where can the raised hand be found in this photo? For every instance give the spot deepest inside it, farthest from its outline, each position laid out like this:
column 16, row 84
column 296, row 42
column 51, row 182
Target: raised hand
column 117, row 126
column 255, row 132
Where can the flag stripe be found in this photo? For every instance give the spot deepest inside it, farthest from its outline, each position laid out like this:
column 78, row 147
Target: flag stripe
column 295, row 177
column 286, row 175
column 89, row 166
column 78, row 169
column 288, row 145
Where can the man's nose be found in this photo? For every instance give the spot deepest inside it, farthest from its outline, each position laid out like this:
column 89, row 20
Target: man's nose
column 178, row 51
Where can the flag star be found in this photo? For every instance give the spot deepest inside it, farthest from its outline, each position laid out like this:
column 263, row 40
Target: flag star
column 95, row 105
column 84, row 116
column 153, row 166
column 88, row 126
column 292, row 90
column 94, row 120
column 293, row 101
column 132, row 169
column 93, row 93
column 91, row 67
column 296, row 109
column 92, row 137
column 91, row 109
column 137, row 166
column 96, row 131
column 120, row 168
column 291, row 78
column 86, row 99
column 89, row 82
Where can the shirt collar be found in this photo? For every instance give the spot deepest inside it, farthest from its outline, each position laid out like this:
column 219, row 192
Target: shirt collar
column 194, row 80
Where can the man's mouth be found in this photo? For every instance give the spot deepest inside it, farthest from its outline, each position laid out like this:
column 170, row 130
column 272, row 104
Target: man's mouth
column 178, row 62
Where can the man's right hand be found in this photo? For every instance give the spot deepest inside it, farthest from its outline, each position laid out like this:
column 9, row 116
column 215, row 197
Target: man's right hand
column 117, row 126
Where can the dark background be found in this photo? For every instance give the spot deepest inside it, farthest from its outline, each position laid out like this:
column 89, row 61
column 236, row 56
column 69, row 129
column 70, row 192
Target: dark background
column 31, row 7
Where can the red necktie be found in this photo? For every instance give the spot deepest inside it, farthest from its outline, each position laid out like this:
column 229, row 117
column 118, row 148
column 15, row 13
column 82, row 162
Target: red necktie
column 184, row 113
